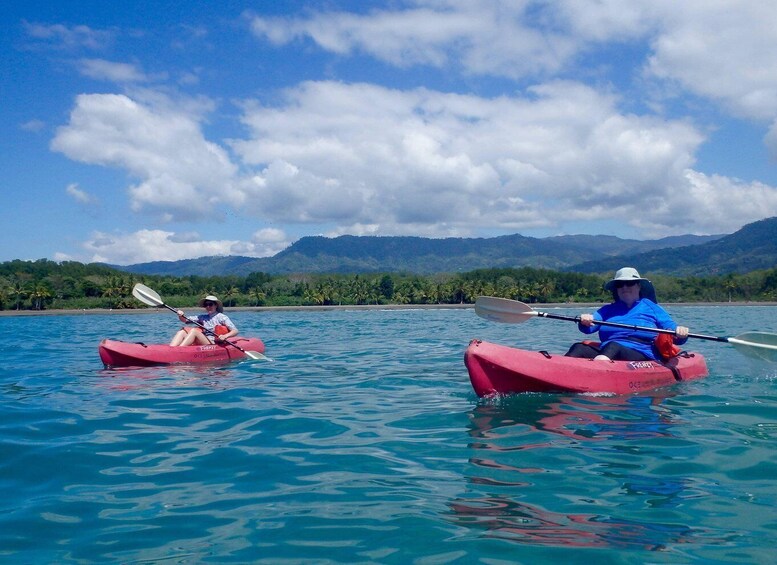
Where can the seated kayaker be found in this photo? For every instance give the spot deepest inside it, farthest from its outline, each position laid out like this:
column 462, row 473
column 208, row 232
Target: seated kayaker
column 214, row 320
column 634, row 304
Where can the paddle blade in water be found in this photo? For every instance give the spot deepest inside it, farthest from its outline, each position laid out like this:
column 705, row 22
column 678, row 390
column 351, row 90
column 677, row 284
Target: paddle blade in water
column 759, row 345
column 256, row 356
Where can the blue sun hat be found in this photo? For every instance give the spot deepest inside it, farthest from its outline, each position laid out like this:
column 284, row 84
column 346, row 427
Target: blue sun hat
column 646, row 289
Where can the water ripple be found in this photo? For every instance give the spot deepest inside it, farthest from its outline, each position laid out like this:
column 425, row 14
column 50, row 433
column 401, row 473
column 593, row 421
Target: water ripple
column 364, row 443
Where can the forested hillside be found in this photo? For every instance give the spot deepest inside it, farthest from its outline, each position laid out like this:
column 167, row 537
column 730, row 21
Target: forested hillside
column 424, row 256
column 752, row 248
column 413, row 270
column 42, row 285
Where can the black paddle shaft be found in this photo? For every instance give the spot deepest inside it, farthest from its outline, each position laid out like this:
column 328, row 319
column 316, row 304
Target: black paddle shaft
column 629, row 327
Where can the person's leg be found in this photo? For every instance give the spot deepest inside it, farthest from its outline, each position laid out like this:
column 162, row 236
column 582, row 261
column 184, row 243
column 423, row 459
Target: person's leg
column 617, row 352
column 582, row 350
column 201, row 338
column 189, row 339
column 195, row 336
column 178, row 337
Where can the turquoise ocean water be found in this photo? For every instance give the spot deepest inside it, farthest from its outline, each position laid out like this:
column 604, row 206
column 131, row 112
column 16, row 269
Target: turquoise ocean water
column 363, row 442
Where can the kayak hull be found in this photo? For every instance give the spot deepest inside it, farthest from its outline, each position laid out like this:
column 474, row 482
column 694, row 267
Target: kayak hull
column 114, row 353
column 496, row 369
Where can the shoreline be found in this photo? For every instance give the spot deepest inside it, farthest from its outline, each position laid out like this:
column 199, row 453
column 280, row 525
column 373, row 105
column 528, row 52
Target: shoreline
column 153, row 310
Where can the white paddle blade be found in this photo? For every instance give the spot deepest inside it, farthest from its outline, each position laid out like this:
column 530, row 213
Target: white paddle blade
column 256, row 356
column 503, row 310
column 146, row 295
column 759, row 345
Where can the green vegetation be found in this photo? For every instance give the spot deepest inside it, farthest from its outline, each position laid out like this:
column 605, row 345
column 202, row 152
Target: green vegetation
column 44, row 284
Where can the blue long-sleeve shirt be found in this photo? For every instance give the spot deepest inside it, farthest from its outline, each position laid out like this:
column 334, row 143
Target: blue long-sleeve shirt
column 643, row 312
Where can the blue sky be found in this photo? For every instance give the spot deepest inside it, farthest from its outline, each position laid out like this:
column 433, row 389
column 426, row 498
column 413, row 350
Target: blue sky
column 173, row 130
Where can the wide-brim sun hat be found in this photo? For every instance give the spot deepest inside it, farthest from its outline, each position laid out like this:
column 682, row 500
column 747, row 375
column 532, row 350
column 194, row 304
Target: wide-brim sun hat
column 631, row 274
column 624, row 274
column 211, row 298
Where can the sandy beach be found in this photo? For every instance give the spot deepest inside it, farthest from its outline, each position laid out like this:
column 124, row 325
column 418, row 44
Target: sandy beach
column 124, row 311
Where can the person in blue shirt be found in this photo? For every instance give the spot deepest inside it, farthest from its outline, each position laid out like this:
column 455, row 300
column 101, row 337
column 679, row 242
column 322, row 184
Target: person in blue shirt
column 634, row 304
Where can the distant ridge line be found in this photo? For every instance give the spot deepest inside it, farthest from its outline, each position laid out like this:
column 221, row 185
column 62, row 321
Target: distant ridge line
column 753, row 247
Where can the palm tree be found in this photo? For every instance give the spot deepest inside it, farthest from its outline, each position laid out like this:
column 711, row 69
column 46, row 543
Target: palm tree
column 338, row 290
column 116, row 290
column 326, row 289
column 39, row 295
column 730, row 285
column 471, row 289
column 18, row 292
column 459, row 290
column 581, row 293
column 314, row 295
column 400, row 297
column 259, row 295
column 359, row 290
column 434, row 293
column 230, row 294
column 546, row 288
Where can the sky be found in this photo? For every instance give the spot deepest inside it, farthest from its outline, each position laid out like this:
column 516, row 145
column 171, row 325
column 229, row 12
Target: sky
column 167, row 130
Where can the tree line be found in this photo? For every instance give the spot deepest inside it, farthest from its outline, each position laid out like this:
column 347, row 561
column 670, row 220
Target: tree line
column 45, row 284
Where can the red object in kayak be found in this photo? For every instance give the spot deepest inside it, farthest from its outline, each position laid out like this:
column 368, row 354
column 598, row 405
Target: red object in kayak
column 124, row 354
column 496, row 369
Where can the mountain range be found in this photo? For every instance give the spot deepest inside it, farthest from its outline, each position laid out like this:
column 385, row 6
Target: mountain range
column 753, row 247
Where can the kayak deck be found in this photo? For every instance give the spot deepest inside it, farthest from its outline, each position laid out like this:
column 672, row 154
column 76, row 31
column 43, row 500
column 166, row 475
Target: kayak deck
column 497, row 369
column 115, row 353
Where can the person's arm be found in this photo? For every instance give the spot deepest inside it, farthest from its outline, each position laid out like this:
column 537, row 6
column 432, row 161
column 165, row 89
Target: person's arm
column 225, row 321
column 665, row 321
column 587, row 324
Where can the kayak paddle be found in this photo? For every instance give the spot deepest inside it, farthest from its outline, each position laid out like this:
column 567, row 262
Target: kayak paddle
column 148, row 296
column 761, row 345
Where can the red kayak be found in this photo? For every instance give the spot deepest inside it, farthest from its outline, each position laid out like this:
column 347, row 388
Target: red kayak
column 496, row 369
column 124, row 354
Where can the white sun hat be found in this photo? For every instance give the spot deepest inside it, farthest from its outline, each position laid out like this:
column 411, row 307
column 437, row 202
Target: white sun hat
column 631, row 274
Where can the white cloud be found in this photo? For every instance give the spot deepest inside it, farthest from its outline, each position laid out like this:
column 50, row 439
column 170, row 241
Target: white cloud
column 356, row 157
column 376, row 160
column 65, row 37
column 158, row 245
column 180, row 172
column 717, row 49
column 267, row 236
column 78, row 195
column 484, row 36
column 770, row 139
column 111, row 71
column 33, row 125
column 367, row 159
column 59, row 257
column 185, row 237
column 725, row 52
column 714, row 198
